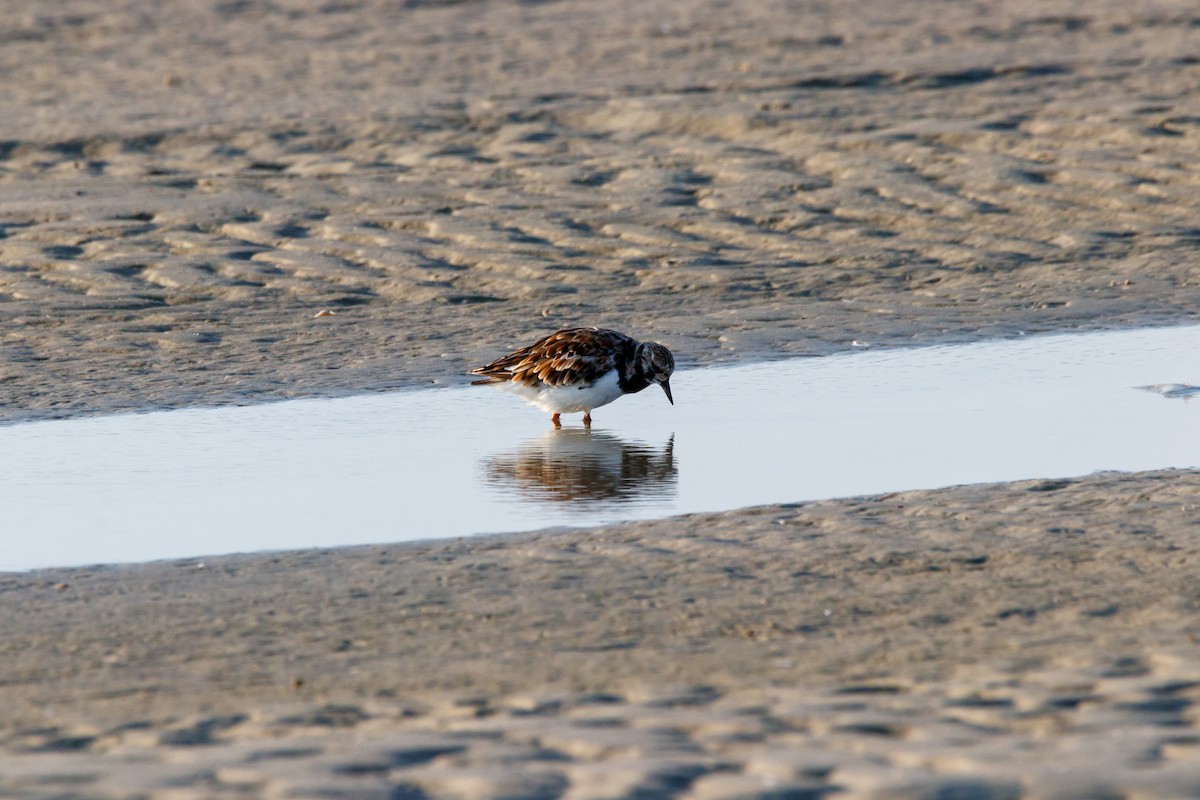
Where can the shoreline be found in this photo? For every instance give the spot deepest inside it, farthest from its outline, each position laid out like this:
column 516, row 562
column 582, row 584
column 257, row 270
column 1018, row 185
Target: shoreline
column 685, row 547
column 413, row 380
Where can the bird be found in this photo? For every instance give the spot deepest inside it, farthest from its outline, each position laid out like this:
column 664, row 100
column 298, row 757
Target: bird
column 579, row 369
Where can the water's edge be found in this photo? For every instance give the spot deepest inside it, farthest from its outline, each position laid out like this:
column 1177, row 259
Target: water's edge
column 452, row 462
column 398, row 382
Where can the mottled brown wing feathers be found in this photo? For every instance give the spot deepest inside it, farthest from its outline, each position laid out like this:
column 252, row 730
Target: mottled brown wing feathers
column 566, row 356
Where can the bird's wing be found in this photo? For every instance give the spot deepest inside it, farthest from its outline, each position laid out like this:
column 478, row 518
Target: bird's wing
column 575, row 355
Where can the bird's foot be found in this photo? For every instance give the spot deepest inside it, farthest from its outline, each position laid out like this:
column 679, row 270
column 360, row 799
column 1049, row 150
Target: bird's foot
column 555, row 421
column 587, row 419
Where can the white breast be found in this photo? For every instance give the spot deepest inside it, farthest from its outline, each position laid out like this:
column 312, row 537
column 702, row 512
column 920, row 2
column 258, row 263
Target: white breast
column 568, row 399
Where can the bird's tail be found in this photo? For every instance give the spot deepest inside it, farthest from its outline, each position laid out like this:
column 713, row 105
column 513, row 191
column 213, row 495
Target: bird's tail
column 488, row 377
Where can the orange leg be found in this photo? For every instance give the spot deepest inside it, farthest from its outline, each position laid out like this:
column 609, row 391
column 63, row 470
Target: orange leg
column 555, row 421
column 587, row 418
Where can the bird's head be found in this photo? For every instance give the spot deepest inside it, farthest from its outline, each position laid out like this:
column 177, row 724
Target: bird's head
column 657, row 364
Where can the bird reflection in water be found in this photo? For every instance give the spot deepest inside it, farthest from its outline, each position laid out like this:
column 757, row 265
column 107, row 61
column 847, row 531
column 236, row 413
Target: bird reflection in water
column 578, row 465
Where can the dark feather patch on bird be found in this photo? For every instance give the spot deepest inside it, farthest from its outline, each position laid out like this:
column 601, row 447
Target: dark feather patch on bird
column 574, row 355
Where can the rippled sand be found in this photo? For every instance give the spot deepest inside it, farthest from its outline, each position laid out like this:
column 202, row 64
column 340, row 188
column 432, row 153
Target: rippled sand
column 185, row 186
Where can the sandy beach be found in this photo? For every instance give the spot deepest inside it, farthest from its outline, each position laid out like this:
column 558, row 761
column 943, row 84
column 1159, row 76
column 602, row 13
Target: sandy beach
column 185, row 187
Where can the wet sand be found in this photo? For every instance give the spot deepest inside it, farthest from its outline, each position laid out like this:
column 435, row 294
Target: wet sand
column 184, row 187
column 1031, row 639
column 187, row 185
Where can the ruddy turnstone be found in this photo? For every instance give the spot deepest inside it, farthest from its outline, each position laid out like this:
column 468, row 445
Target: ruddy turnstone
column 578, row 369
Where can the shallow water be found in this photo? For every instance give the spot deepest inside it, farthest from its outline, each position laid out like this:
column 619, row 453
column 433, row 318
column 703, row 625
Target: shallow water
column 449, row 462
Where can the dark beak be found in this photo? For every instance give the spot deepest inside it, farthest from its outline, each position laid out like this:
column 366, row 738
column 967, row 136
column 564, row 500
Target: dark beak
column 667, row 388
